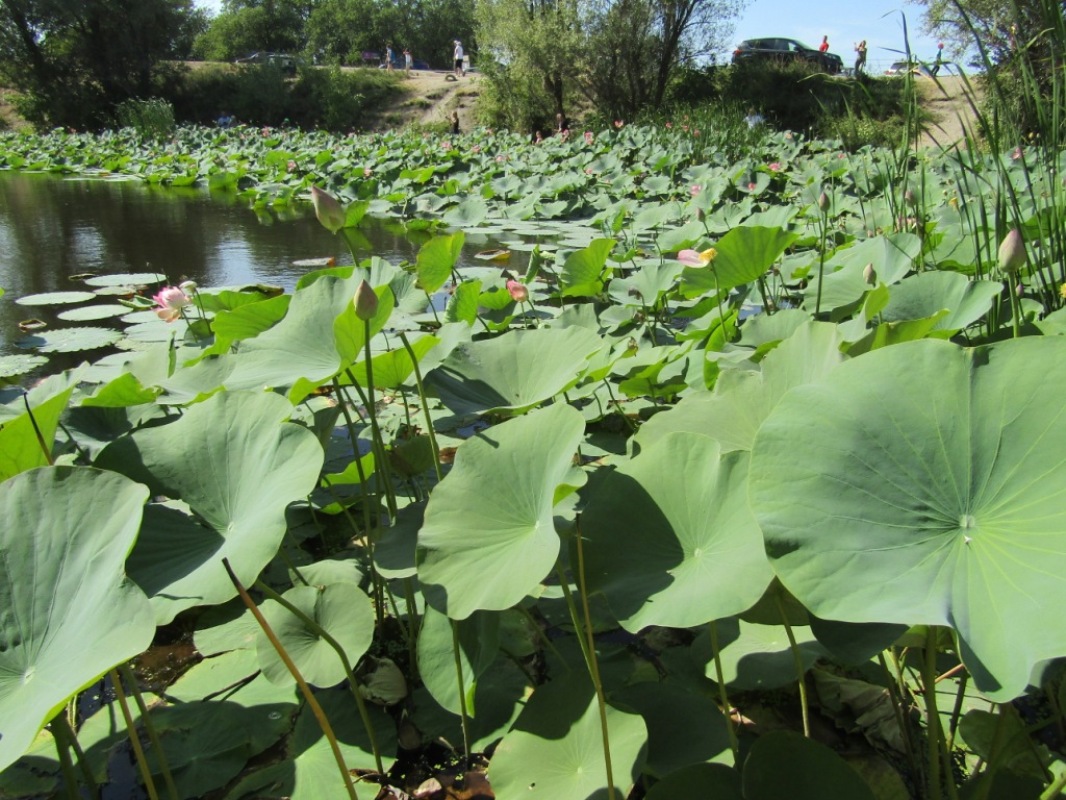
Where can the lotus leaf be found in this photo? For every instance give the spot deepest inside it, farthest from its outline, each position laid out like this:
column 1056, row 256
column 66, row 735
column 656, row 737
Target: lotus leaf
column 67, row 611
column 925, row 294
column 927, row 468
column 70, row 340
column 28, row 425
column 55, row 298
column 670, row 530
column 492, row 515
column 477, row 638
column 514, row 371
column 711, row 781
column 555, row 748
column 341, row 609
column 743, row 254
column 235, row 464
column 88, row 313
column 785, row 764
column 19, row 364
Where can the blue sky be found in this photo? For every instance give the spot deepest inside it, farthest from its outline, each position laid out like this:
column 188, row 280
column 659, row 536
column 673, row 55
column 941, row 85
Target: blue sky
column 844, row 21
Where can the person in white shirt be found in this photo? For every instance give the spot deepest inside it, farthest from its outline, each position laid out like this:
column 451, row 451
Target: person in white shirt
column 459, row 70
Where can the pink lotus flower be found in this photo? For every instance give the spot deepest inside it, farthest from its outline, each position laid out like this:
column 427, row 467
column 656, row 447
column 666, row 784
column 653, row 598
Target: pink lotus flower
column 669, row 125
column 519, row 291
column 695, row 189
column 588, row 137
column 751, row 186
column 694, row 258
column 695, row 132
column 500, row 159
column 445, row 145
column 775, row 166
column 618, row 123
column 1016, row 153
column 171, row 300
column 475, row 149
column 367, row 172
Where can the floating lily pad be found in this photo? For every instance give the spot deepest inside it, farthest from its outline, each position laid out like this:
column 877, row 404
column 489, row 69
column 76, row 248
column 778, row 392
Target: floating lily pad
column 70, row 340
column 127, row 279
column 86, row 313
column 55, row 298
column 19, row 364
column 123, row 290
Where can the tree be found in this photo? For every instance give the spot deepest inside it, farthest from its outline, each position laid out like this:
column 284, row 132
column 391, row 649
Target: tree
column 250, row 26
column 75, row 60
column 999, row 27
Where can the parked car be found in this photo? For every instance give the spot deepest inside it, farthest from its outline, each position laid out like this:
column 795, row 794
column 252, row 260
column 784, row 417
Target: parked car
column 786, row 50
column 902, row 67
column 284, row 62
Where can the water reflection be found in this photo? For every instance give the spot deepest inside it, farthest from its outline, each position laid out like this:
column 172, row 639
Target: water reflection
column 52, row 229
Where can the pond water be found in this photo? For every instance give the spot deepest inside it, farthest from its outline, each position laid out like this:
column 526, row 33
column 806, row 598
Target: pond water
column 52, row 229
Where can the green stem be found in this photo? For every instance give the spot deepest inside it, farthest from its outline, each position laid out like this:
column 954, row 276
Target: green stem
column 821, row 262
column 70, row 779
column 425, row 406
column 353, row 437
column 601, row 698
column 932, row 721
column 1015, row 307
column 153, row 736
column 66, row 738
column 37, row 431
column 894, row 689
column 382, row 467
column 1055, row 788
column 464, row 716
column 321, row 632
column 312, row 703
column 797, row 659
column 135, row 740
column 723, row 698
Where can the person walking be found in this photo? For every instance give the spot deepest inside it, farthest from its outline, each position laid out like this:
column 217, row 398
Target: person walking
column 824, row 46
column 939, row 59
column 860, row 58
column 457, row 57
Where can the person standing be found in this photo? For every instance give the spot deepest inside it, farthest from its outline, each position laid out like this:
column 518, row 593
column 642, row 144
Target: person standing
column 407, row 61
column 389, row 56
column 824, row 46
column 860, row 58
column 457, row 57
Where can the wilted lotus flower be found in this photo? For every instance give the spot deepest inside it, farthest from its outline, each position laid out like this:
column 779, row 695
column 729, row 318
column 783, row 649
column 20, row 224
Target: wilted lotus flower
column 1011, row 252
column 694, row 258
column 171, row 300
column 519, row 291
column 329, row 212
column 365, row 301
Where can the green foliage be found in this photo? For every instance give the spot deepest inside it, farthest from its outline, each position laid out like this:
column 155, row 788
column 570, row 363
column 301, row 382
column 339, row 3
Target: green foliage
column 153, row 118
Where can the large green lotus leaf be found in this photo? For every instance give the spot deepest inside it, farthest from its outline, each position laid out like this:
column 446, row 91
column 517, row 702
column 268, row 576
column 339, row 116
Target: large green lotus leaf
column 55, row 298
column 743, row 254
column 305, row 344
column 478, row 641
column 925, row 294
column 341, row 609
column 582, row 271
column 742, row 400
column 489, row 537
column 785, row 764
column 67, row 611
column 70, row 340
column 514, row 371
column 19, row 364
column 436, row 260
column 758, row 657
column 843, row 282
column 684, row 727
column 919, row 485
column 89, row 313
column 20, row 449
column 706, row 781
column 311, row 773
column 555, row 748
column 671, row 540
column 126, row 279
column 236, row 464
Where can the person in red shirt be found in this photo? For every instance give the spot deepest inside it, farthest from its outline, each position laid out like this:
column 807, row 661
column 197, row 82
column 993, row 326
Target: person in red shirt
column 824, row 46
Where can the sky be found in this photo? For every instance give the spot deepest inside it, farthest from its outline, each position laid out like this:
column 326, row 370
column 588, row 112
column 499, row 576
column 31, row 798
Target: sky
column 845, row 22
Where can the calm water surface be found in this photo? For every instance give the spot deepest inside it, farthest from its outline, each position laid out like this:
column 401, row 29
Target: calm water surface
column 53, row 228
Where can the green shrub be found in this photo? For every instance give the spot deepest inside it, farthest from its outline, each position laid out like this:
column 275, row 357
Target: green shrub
column 152, row 118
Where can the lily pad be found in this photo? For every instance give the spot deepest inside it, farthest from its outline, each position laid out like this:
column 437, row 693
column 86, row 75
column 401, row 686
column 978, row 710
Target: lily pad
column 126, row 279
column 55, row 298
column 70, row 340
column 88, row 313
column 19, row 364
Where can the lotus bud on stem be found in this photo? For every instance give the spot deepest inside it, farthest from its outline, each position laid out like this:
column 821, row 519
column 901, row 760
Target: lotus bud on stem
column 328, row 210
column 365, row 302
column 1011, row 258
column 869, row 275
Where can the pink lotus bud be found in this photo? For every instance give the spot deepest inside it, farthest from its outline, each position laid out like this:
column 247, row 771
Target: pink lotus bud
column 365, row 301
column 869, row 275
column 329, row 212
column 823, row 203
column 1011, row 252
column 519, row 291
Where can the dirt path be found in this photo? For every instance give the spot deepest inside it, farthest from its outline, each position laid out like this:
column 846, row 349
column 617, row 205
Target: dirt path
column 430, row 97
column 949, row 100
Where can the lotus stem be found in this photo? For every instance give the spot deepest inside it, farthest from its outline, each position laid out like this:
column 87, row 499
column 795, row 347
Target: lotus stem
column 375, row 430
column 135, row 740
column 67, row 740
column 932, row 721
column 149, row 727
column 70, row 780
column 321, row 632
column 821, row 259
column 895, row 686
column 956, row 711
column 601, row 699
column 723, row 698
column 37, row 430
column 305, row 690
column 464, row 716
column 797, row 659
column 1015, row 307
column 425, row 406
